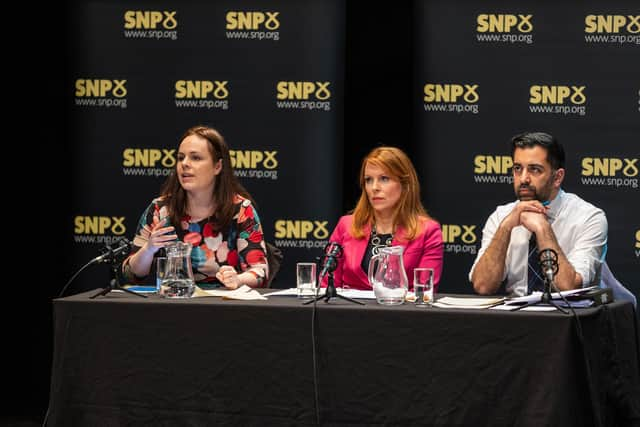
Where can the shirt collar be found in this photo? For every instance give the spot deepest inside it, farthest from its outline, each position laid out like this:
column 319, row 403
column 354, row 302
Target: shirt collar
column 555, row 205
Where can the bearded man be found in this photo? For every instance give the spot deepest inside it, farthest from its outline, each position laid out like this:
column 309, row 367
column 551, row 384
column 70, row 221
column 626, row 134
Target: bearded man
column 543, row 217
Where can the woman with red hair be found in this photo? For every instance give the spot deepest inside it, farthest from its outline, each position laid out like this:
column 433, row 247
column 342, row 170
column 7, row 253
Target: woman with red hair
column 388, row 213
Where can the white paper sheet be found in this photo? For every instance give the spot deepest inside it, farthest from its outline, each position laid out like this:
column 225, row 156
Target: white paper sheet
column 244, row 292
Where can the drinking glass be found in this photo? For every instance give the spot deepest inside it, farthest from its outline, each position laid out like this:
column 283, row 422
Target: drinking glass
column 161, row 266
column 306, row 279
column 423, row 286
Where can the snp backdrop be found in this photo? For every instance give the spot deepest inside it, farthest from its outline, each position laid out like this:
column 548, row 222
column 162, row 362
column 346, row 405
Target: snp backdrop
column 267, row 74
column 487, row 71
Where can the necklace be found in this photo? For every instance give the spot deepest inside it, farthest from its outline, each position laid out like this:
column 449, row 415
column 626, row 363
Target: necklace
column 376, row 240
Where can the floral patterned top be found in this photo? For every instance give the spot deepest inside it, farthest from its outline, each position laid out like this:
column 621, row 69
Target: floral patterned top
column 241, row 246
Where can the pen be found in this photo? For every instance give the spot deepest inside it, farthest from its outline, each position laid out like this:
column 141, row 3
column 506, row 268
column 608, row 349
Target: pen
column 502, row 300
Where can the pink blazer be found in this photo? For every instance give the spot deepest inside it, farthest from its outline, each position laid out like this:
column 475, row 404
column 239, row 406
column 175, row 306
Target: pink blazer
column 425, row 250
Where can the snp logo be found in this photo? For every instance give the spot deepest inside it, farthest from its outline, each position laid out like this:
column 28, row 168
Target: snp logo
column 459, row 238
column 542, row 94
column 251, row 159
column 504, row 23
column 435, row 92
column 612, row 24
column 301, row 229
column 148, row 157
column 491, row 169
column 150, row 19
column 303, row 90
column 99, row 225
column 100, row 88
column 486, row 164
column 201, row 89
column 609, row 166
column 452, row 233
column 238, row 20
column 638, row 243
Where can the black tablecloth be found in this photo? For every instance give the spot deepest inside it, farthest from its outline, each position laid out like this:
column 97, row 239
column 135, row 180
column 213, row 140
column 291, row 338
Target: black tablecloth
column 123, row 360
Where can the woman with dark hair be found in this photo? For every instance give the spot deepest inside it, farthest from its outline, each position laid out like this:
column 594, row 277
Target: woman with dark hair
column 203, row 203
column 388, row 213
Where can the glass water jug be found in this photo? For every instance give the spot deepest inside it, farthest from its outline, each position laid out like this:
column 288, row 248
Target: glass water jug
column 178, row 276
column 388, row 277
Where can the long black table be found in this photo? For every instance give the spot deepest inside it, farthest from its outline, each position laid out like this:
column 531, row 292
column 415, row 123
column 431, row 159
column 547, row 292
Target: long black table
column 121, row 360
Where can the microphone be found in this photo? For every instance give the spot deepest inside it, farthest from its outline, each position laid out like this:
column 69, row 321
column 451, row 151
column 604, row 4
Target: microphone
column 110, row 253
column 332, row 252
column 549, row 263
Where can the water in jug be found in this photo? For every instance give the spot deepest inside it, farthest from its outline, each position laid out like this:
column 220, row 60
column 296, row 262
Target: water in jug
column 388, row 277
column 178, row 277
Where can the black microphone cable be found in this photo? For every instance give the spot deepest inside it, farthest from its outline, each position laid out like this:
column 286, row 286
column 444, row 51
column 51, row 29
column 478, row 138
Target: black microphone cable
column 108, row 255
column 64, row 288
column 316, row 391
column 592, row 392
column 332, row 252
column 314, row 338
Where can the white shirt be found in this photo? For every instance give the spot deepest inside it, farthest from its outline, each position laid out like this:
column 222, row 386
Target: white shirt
column 580, row 229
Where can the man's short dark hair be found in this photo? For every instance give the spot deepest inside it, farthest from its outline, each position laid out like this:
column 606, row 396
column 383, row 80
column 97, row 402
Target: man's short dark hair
column 555, row 152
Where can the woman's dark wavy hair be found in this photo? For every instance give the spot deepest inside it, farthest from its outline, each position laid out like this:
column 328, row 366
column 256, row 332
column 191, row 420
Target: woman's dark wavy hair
column 225, row 188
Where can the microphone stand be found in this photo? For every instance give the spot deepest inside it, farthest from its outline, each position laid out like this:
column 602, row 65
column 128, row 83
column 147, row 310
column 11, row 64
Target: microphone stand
column 114, row 283
column 546, row 298
column 330, row 292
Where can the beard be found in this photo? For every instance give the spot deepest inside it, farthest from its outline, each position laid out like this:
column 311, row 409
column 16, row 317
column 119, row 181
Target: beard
column 526, row 192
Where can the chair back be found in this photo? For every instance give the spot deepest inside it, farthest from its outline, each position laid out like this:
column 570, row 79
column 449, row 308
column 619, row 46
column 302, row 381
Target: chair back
column 274, row 259
column 619, row 291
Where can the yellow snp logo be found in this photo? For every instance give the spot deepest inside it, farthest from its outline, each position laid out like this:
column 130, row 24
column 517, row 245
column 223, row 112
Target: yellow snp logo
column 612, row 24
column 100, row 88
column 300, row 229
column 609, row 166
column 239, row 20
column 503, row 23
column 543, row 94
column 451, row 233
column 99, row 225
column 148, row 157
column 637, row 239
column 150, row 19
column 303, row 90
column 487, row 164
column 251, row 159
column 436, row 92
column 200, row 89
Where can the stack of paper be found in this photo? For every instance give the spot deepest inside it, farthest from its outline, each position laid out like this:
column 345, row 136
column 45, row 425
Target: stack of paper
column 556, row 297
column 455, row 302
column 244, row 292
column 350, row 293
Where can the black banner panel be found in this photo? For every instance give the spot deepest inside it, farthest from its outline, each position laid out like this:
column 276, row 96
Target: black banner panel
column 267, row 74
column 486, row 72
